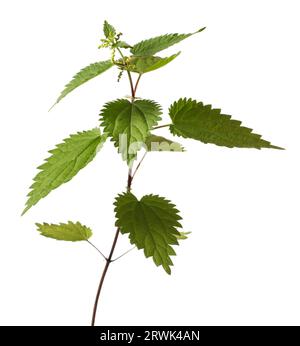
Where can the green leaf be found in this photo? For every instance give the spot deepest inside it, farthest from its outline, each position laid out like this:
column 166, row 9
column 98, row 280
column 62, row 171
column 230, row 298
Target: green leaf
column 156, row 44
column 192, row 119
column 129, row 124
column 144, row 64
column 65, row 231
column 151, row 224
column 109, row 30
column 122, row 44
column 183, row 235
column 66, row 160
column 159, row 143
column 85, row 75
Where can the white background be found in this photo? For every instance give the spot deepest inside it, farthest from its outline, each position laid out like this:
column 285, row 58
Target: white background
column 241, row 263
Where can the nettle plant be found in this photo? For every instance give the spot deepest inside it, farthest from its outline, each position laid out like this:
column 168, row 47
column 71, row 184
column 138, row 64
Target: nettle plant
column 152, row 222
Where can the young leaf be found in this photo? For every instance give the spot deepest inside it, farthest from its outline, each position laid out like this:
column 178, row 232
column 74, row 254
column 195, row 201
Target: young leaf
column 192, row 119
column 83, row 76
column 129, row 123
column 143, row 64
column 152, row 225
column 65, row 231
column 109, row 30
column 158, row 143
column 66, row 160
column 156, row 44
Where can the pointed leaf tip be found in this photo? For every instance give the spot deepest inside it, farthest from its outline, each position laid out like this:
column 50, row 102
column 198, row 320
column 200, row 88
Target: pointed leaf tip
column 196, row 32
column 183, row 235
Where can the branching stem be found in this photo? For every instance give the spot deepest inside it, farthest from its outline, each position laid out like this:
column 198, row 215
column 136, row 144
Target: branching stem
column 108, row 261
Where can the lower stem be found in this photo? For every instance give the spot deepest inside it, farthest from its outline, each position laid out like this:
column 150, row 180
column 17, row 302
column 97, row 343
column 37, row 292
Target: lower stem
column 108, row 259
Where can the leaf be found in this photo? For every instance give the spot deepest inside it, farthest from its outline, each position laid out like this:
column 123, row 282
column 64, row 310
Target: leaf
column 122, row 44
column 129, row 124
column 192, row 119
column 151, row 224
column 144, row 64
column 109, row 30
column 66, row 160
column 183, row 235
column 65, row 231
column 83, row 76
column 156, row 44
column 159, row 143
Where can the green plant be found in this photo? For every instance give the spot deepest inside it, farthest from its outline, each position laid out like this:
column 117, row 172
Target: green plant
column 152, row 222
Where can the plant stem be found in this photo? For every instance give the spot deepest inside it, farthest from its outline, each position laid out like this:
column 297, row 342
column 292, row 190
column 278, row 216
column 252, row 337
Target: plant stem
column 136, row 84
column 109, row 258
column 108, row 261
column 129, row 182
column 159, row 127
column 131, row 85
column 133, row 90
